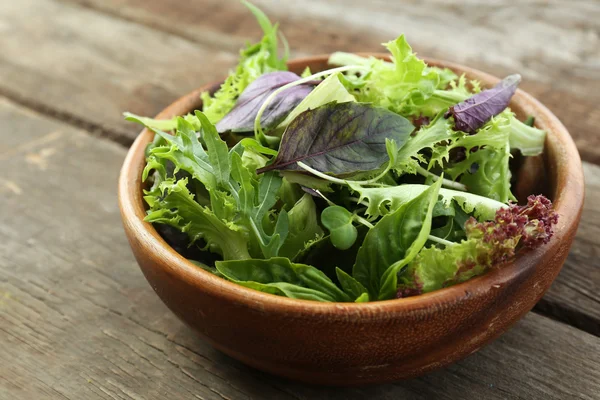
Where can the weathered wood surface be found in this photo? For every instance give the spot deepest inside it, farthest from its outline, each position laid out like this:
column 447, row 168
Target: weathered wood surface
column 575, row 295
column 78, row 320
column 555, row 45
column 85, row 67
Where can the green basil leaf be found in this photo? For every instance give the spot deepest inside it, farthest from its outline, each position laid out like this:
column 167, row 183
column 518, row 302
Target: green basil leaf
column 394, row 238
column 415, row 224
column 280, row 276
column 351, row 286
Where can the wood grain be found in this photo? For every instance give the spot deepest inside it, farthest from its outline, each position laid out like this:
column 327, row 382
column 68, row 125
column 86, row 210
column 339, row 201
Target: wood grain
column 575, row 295
column 87, row 68
column 79, row 321
column 555, row 45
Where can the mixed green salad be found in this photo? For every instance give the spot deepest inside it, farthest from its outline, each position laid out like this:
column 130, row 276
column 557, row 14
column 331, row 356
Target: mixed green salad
column 369, row 181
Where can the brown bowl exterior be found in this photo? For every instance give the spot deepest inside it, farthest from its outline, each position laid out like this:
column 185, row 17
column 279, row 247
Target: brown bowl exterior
column 347, row 343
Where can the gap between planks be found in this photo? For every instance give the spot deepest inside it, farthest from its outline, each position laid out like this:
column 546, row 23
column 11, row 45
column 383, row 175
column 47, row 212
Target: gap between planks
column 89, row 127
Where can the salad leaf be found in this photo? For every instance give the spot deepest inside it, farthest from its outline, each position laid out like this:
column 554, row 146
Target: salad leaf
column 218, row 153
column 385, row 200
column 488, row 244
column 160, row 124
column 303, row 226
column 173, row 204
column 393, row 242
column 475, row 111
column 409, row 156
column 308, row 181
column 255, row 60
column 255, row 201
column 529, row 140
column 402, row 86
column 490, row 175
column 330, row 90
column 338, row 221
column 280, row 276
column 241, row 117
column 340, row 138
column 186, row 153
column 351, row 286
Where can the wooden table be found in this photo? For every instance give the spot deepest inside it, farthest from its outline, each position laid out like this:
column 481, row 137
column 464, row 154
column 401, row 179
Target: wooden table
column 77, row 318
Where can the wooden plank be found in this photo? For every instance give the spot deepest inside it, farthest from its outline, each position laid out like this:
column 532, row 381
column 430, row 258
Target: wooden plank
column 552, row 44
column 78, row 320
column 575, row 295
column 86, row 67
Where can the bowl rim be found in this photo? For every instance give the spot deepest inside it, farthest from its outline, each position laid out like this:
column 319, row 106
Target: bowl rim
column 568, row 202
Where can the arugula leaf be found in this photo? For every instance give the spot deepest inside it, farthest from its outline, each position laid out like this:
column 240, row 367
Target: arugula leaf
column 475, row 111
column 394, row 242
column 241, row 117
column 218, row 153
column 255, row 60
column 385, row 200
column 338, row 221
column 330, row 90
column 340, row 138
column 280, row 276
column 173, row 204
column 255, row 201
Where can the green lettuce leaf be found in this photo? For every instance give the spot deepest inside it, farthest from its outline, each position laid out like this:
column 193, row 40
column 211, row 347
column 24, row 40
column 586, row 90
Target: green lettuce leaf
column 280, row 276
column 255, row 60
column 173, row 204
column 435, row 268
column 331, row 89
column 385, row 200
column 403, row 86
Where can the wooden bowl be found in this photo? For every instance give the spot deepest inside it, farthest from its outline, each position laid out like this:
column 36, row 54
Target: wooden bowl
column 348, row 343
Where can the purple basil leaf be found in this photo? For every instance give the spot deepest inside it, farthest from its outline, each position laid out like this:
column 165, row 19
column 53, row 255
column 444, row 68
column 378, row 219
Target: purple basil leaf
column 340, row 138
column 242, row 115
column 478, row 109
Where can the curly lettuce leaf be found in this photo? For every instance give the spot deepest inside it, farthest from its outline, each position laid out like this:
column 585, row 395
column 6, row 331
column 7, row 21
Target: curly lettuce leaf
column 255, row 60
column 384, row 200
column 173, row 204
column 402, row 86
